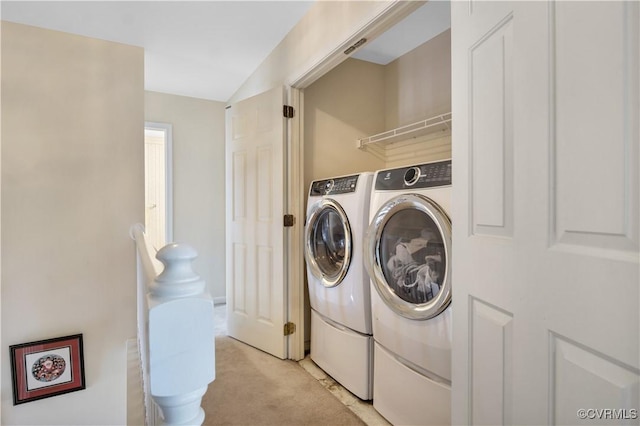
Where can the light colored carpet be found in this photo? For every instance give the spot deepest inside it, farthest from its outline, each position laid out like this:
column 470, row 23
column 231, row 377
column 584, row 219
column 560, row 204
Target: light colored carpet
column 255, row 388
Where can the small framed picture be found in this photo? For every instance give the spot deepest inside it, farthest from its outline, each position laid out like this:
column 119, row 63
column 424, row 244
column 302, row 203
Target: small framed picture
column 47, row 368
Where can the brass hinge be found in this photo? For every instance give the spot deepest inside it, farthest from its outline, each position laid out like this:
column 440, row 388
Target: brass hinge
column 289, row 328
column 289, row 220
column 288, row 111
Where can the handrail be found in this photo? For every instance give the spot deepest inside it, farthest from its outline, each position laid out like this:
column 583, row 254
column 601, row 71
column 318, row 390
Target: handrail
column 148, row 269
column 152, row 266
column 175, row 332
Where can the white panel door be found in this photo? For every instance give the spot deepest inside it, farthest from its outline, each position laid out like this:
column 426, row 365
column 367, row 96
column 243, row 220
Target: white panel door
column 255, row 167
column 155, row 187
column 545, row 212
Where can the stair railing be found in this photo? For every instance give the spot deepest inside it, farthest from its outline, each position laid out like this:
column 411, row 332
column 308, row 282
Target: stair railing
column 175, row 333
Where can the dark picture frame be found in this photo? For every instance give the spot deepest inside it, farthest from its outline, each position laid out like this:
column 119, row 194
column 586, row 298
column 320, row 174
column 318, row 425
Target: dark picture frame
column 47, row 368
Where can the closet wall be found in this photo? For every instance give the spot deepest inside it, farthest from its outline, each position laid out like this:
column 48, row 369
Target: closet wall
column 418, row 83
column 417, row 88
column 358, row 99
column 339, row 108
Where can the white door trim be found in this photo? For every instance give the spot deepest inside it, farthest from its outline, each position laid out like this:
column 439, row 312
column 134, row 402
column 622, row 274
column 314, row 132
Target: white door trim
column 295, row 205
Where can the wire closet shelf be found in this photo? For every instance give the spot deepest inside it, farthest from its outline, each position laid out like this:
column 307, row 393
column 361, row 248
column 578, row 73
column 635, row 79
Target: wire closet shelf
column 438, row 123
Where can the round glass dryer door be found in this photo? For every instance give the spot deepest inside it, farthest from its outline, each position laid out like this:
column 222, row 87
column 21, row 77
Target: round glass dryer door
column 328, row 242
column 409, row 256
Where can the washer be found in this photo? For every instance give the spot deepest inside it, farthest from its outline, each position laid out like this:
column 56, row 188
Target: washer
column 339, row 289
column 408, row 257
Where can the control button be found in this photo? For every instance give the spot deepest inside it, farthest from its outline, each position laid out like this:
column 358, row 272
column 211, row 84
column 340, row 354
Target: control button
column 411, row 176
column 328, row 186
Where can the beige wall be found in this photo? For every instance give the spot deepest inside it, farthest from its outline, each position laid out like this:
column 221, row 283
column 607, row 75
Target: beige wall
column 418, row 84
column 72, row 185
column 198, row 179
column 344, row 105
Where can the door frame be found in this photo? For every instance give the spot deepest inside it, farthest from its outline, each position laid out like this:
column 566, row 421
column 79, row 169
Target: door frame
column 296, row 194
column 294, row 204
column 168, row 173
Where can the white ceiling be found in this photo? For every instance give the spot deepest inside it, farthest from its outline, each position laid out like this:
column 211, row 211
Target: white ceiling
column 202, row 49
column 207, row 49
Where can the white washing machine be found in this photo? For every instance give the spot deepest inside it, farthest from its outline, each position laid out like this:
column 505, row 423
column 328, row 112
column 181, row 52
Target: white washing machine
column 408, row 257
column 339, row 289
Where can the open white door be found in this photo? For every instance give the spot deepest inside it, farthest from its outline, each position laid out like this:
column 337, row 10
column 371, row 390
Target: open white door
column 158, row 183
column 545, row 215
column 255, row 199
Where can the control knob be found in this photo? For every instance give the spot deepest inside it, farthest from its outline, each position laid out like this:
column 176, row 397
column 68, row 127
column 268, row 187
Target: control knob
column 411, row 176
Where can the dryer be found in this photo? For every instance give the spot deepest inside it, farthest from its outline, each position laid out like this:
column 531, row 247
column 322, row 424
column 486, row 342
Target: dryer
column 339, row 289
column 408, row 257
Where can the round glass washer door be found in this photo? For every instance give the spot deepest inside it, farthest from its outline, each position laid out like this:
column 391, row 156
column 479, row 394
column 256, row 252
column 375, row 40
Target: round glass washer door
column 408, row 256
column 328, row 242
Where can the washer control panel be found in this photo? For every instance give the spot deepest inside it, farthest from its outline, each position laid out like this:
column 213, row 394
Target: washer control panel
column 341, row 185
column 415, row 177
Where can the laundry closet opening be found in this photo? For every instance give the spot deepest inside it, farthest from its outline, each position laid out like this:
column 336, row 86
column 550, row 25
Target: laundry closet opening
column 371, row 93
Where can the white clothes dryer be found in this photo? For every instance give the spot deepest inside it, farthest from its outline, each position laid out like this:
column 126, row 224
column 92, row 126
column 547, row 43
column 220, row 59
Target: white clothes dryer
column 339, row 289
column 408, row 257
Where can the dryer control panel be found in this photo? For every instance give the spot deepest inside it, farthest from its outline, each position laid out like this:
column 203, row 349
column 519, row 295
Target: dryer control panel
column 341, row 185
column 415, row 177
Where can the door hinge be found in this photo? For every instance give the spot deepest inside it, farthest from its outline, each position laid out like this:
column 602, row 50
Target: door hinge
column 289, row 328
column 289, row 220
column 288, row 111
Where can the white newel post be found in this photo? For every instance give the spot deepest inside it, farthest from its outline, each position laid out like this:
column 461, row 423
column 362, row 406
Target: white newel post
column 181, row 340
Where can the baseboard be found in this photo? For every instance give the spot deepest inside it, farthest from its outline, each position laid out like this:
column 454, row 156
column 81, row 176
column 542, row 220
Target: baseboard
column 220, row 300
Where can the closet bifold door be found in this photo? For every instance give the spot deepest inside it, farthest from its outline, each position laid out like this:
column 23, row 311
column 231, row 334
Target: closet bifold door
column 545, row 205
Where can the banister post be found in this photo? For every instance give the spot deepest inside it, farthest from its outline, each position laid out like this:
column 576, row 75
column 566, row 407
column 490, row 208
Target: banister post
column 181, row 340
